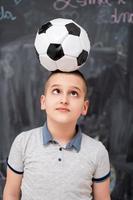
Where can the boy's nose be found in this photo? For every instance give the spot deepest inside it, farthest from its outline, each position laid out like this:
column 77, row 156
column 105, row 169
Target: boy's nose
column 64, row 99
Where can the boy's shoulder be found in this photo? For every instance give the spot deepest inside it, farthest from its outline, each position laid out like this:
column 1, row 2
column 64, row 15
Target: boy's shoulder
column 91, row 143
column 89, row 139
column 30, row 132
column 27, row 135
column 93, row 149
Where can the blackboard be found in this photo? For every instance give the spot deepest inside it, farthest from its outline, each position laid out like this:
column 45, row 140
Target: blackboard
column 108, row 72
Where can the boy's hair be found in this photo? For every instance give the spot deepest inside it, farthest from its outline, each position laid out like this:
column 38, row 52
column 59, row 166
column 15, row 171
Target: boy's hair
column 76, row 72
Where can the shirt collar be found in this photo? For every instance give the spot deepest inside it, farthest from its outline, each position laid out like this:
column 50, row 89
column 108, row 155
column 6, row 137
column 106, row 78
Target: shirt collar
column 75, row 142
column 47, row 137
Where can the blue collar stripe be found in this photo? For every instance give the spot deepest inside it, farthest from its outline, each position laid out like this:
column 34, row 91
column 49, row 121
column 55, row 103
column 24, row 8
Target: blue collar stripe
column 75, row 142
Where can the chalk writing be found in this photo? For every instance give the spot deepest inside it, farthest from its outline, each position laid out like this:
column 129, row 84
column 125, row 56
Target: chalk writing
column 106, row 15
column 63, row 4
column 6, row 14
column 94, row 2
column 17, row 1
column 125, row 17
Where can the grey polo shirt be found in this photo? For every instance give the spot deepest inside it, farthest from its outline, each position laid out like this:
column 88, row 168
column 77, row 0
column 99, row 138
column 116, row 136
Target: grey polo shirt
column 51, row 171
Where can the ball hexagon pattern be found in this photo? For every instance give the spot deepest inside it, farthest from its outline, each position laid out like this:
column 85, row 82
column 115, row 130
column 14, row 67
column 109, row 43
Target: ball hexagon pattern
column 62, row 44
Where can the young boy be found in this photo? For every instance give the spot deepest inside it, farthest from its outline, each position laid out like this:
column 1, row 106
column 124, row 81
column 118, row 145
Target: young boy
column 58, row 161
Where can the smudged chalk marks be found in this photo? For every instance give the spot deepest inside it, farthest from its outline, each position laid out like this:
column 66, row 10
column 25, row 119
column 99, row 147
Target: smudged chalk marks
column 17, row 2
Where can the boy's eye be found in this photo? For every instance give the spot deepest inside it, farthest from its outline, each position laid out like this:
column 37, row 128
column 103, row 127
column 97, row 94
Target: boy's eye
column 56, row 91
column 74, row 93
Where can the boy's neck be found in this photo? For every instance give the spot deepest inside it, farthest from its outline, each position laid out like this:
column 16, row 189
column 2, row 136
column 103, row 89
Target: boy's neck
column 62, row 133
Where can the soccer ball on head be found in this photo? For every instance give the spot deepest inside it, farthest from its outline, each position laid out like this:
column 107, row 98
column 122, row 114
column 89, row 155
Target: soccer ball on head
column 62, row 44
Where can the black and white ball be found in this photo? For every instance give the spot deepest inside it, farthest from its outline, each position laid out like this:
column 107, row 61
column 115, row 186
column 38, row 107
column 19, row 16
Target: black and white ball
column 62, row 44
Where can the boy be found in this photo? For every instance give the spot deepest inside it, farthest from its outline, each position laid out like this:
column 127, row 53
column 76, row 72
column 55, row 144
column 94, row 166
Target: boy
column 57, row 161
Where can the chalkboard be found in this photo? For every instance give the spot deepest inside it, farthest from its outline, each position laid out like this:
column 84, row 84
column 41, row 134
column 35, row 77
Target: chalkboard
column 108, row 72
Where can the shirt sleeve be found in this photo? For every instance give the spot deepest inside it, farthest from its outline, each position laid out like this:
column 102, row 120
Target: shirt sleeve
column 103, row 165
column 15, row 159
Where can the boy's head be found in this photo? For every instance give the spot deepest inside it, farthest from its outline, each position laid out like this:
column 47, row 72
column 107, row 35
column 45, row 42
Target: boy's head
column 65, row 96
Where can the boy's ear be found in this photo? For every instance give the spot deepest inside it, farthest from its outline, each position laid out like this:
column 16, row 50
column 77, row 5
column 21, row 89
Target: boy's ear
column 85, row 107
column 42, row 101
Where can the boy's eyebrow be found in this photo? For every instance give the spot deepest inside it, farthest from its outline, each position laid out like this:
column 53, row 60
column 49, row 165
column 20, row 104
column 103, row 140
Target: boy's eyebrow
column 77, row 88
column 57, row 85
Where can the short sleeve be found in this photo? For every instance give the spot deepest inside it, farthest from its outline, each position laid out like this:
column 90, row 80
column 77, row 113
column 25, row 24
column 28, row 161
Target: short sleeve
column 103, row 165
column 15, row 159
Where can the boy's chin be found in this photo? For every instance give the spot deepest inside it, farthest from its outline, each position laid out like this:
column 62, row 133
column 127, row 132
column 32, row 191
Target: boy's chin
column 63, row 121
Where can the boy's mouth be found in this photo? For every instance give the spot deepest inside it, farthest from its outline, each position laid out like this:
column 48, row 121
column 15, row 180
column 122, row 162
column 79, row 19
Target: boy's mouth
column 63, row 109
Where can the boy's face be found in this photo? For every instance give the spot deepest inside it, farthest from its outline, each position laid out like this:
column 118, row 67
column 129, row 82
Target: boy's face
column 64, row 98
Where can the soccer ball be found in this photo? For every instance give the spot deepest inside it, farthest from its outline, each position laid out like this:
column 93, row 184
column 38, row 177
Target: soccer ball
column 62, row 44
